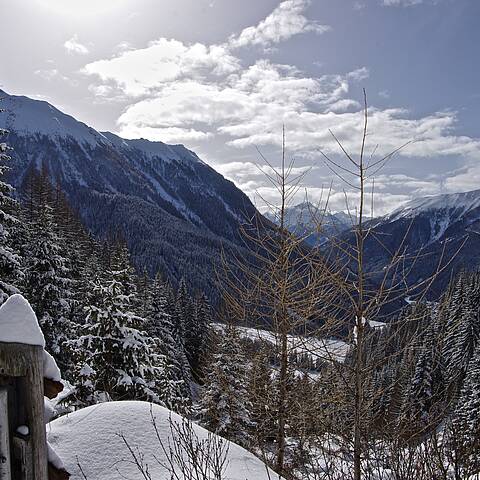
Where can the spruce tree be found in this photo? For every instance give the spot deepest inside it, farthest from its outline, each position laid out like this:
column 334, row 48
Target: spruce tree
column 466, row 418
column 173, row 376
column 196, row 333
column 10, row 261
column 225, row 405
column 46, row 281
column 182, row 313
column 121, row 355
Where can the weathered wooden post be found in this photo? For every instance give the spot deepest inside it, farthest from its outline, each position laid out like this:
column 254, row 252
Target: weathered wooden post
column 5, row 467
column 21, row 393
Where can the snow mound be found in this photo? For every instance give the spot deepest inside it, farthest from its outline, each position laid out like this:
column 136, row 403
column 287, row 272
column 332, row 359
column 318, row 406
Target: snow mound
column 18, row 322
column 50, row 368
column 90, row 438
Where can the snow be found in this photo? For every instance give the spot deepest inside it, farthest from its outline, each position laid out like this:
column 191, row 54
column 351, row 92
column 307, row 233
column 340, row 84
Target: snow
column 48, row 409
column 316, row 348
column 458, row 203
column 50, row 368
column 23, row 430
column 18, row 322
column 54, row 459
column 154, row 149
column 90, row 438
column 25, row 115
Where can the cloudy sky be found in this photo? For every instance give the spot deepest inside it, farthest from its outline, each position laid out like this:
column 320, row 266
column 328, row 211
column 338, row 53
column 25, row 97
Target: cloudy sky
column 223, row 76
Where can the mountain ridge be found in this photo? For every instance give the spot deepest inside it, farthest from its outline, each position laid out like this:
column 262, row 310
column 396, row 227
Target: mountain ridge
column 160, row 197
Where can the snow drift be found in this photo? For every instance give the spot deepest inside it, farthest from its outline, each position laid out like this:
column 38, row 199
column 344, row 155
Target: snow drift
column 90, row 438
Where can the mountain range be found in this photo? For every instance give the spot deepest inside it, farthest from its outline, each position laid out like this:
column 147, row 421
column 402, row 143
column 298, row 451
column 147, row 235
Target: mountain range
column 176, row 213
column 436, row 235
column 313, row 223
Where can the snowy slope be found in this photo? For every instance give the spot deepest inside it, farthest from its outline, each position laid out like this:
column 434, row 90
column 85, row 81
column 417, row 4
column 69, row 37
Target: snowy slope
column 316, row 348
column 442, row 211
column 90, row 437
column 28, row 116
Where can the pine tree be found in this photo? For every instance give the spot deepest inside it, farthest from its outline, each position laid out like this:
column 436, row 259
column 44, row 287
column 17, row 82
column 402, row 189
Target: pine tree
column 261, row 397
column 462, row 329
column 173, row 377
column 419, row 396
column 196, row 333
column 10, row 261
column 466, row 419
column 225, row 406
column 182, row 313
column 46, row 282
column 120, row 354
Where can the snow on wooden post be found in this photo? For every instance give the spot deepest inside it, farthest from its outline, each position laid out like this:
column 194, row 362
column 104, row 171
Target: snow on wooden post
column 21, row 378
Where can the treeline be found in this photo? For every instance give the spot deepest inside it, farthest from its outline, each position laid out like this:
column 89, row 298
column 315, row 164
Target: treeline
column 115, row 334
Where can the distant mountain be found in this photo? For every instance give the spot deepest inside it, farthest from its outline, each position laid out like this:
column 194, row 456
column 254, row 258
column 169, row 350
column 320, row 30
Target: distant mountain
column 429, row 233
column 175, row 212
column 312, row 223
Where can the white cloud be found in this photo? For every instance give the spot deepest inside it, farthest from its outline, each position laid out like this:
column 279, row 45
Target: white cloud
column 166, row 134
column 199, row 93
column 284, row 22
column 73, row 46
column 250, row 106
column 163, row 60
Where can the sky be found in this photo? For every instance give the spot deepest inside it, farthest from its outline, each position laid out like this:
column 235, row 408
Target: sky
column 224, row 77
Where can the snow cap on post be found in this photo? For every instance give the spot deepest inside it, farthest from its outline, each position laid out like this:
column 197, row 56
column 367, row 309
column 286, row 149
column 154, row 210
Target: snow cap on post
column 18, row 322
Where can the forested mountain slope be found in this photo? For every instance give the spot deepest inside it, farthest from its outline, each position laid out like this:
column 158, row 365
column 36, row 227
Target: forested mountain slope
column 438, row 235
column 174, row 211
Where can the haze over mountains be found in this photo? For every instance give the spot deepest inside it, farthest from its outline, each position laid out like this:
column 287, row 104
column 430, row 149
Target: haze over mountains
column 175, row 212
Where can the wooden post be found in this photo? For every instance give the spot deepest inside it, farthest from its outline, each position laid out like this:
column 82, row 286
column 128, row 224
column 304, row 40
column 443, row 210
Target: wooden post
column 5, row 469
column 21, row 368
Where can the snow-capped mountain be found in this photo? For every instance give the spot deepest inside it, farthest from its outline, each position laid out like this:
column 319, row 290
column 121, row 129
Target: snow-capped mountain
column 313, row 223
column 443, row 211
column 439, row 232
column 174, row 210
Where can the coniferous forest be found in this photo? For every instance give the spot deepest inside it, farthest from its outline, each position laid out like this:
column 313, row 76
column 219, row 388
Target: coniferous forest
column 239, row 240
column 117, row 334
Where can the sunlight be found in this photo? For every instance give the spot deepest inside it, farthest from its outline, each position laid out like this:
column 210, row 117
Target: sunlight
column 83, row 7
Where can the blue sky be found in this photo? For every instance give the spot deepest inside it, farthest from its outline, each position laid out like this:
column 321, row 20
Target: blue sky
column 222, row 76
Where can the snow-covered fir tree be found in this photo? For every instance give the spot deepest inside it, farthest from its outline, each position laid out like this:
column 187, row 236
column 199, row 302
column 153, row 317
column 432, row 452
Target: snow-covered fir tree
column 225, row 405
column 183, row 311
column 466, row 418
column 462, row 329
column 10, row 261
column 173, row 376
column 196, row 333
column 46, row 280
column 419, row 394
column 117, row 356
column 261, row 395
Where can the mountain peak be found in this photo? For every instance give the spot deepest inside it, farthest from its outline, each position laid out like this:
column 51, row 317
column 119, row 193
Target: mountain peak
column 29, row 116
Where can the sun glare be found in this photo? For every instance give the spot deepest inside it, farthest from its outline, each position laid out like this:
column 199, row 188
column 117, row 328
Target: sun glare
column 82, row 7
